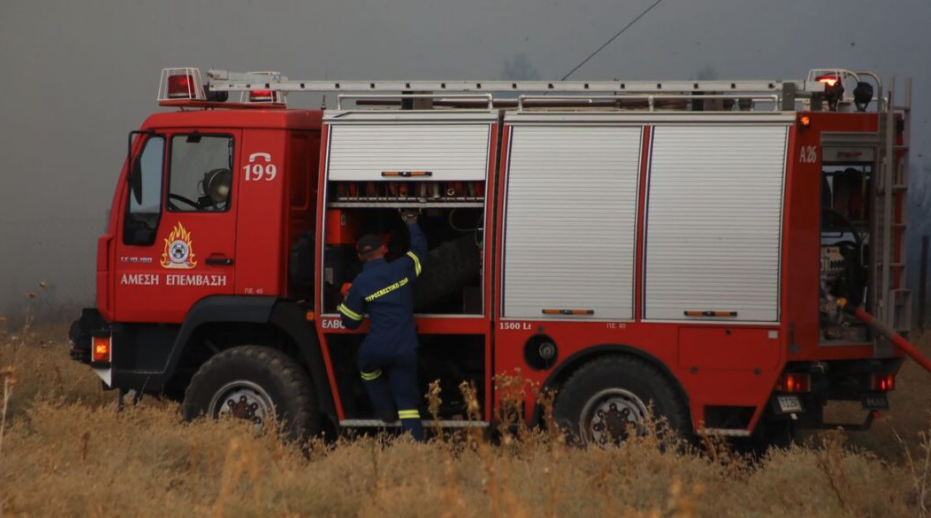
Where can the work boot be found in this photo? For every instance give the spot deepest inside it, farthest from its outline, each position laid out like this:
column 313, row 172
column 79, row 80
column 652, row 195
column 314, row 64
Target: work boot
column 389, row 416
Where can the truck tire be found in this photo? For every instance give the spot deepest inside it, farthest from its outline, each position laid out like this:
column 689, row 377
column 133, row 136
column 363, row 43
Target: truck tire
column 448, row 268
column 773, row 434
column 606, row 401
column 255, row 383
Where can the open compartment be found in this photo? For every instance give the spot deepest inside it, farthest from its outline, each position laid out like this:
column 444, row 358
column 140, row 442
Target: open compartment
column 451, row 282
column 380, row 162
column 847, row 242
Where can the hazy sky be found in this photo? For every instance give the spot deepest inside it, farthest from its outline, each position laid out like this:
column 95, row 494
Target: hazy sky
column 77, row 76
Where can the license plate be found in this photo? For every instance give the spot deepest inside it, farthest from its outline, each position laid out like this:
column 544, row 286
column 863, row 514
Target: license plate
column 789, row 404
column 875, row 402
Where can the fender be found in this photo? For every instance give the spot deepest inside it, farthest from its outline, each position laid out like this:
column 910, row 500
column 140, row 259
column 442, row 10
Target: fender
column 590, row 353
column 285, row 315
column 292, row 319
column 219, row 308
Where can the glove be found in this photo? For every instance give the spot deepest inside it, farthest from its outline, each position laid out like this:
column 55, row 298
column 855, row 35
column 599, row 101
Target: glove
column 409, row 216
column 344, row 289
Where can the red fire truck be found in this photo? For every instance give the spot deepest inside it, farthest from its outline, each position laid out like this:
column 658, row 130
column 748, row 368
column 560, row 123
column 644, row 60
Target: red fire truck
column 682, row 245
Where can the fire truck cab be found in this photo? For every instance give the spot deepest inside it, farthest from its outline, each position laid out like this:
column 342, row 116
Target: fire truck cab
column 628, row 245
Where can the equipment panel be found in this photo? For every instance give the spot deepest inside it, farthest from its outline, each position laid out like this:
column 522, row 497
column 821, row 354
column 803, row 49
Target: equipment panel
column 570, row 227
column 409, row 147
column 713, row 223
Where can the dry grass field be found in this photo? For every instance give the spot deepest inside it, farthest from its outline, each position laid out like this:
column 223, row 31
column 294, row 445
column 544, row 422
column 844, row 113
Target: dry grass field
column 67, row 452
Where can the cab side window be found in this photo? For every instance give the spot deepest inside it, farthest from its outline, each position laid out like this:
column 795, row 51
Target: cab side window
column 144, row 208
column 200, row 173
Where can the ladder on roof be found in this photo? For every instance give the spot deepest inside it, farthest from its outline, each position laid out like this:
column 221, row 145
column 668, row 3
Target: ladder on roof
column 782, row 94
column 222, row 80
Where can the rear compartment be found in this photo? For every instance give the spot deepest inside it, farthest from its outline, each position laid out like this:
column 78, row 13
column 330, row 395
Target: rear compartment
column 861, row 185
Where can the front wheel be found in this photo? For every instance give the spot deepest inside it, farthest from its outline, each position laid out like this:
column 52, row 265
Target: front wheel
column 257, row 384
column 606, row 401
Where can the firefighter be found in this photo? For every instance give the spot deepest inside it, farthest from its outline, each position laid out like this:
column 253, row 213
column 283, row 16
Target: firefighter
column 388, row 355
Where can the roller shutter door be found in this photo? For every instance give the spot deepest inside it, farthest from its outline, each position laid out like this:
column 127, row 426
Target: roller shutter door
column 714, row 222
column 452, row 151
column 571, row 220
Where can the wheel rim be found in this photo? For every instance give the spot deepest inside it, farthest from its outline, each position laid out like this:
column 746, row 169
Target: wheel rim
column 611, row 416
column 243, row 400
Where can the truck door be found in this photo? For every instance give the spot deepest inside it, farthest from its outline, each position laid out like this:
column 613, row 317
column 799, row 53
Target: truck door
column 177, row 235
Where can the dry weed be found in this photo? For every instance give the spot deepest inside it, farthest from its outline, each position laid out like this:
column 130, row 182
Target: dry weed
column 919, row 466
column 67, row 452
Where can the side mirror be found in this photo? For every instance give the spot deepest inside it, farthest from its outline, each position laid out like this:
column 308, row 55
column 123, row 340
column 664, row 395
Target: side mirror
column 135, row 172
column 135, row 181
column 144, row 177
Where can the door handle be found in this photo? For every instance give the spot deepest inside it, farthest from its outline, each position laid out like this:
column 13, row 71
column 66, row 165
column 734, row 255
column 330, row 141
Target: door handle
column 220, row 261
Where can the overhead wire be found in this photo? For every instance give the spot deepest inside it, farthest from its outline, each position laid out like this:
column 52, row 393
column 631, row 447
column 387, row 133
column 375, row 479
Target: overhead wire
column 605, row 44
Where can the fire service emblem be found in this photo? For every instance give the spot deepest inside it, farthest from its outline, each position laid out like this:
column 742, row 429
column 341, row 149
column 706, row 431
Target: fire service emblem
column 179, row 252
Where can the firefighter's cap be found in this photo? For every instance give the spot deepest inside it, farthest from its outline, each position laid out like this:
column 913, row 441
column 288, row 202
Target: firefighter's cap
column 367, row 243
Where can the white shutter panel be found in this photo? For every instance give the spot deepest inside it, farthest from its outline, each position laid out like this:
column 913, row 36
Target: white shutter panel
column 714, row 219
column 571, row 220
column 452, row 151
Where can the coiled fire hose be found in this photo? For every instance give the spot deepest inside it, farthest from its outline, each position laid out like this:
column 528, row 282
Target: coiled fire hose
column 885, row 331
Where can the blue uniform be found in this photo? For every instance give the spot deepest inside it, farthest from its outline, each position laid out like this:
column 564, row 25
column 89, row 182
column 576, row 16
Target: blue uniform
column 384, row 291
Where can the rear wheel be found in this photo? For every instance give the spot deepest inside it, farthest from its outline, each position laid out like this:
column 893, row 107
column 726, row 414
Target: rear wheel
column 258, row 384
column 606, row 401
column 772, row 433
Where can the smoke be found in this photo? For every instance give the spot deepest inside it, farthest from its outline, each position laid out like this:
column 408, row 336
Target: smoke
column 706, row 73
column 81, row 75
column 519, row 68
column 918, row 207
